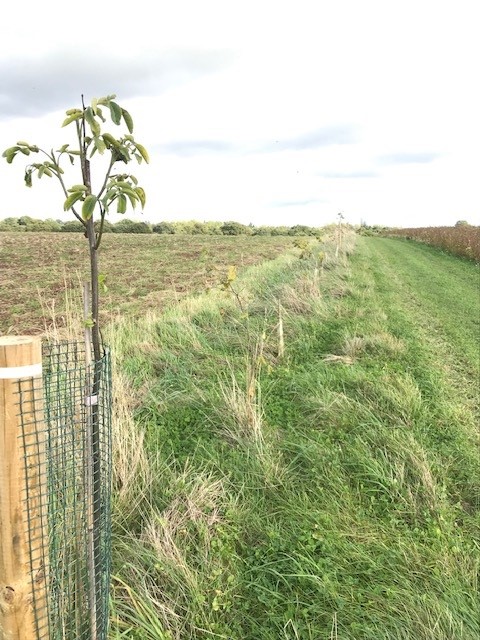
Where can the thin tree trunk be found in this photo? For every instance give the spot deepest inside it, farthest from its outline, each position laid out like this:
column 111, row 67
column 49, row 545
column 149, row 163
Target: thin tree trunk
column 95, row 449
column 92, row 246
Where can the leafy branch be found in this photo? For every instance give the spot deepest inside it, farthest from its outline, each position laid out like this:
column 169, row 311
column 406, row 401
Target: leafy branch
column 118, row 190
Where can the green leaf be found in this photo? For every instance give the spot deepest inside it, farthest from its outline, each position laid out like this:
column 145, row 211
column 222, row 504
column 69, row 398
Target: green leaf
column 88, row 206
column 54, row 167
column 77, row 187
column 123, row 185
column 72, row 199
column 63, row 148
column 115, row 112
column 41, row 170
column 93, row 124
column 128, row 120
column 28, row 177
column 131, row 193
column 10, row 154
column 141, row 196
column 100, row 114
column 110, row 195
column 143, row 152
column 25, row 151
column 102, row 278
column 99, row 144
column 106, row 99
column 121, row 153
column 48, row 172
column 132, row 196
column 72, row 118
column 109, row 140
column 121, row 203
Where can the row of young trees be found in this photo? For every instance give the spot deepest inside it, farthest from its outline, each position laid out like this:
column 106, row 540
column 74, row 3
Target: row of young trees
column 192, row 227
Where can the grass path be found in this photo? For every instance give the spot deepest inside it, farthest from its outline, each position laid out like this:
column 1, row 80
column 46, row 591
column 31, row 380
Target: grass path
column 441, row 292
column 329, row 493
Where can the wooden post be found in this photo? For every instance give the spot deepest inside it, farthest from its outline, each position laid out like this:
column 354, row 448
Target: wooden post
column 23, row 525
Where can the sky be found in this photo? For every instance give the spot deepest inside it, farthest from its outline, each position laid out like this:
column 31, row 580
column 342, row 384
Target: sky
column 265, row 112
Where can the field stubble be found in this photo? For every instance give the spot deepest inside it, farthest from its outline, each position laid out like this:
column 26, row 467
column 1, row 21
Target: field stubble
column 40, row 271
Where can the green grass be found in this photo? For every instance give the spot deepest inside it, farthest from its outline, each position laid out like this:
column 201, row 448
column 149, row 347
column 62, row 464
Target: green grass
column 331, row 492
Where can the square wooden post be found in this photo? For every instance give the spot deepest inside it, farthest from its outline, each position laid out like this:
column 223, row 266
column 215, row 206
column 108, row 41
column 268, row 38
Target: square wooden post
column 23, row 492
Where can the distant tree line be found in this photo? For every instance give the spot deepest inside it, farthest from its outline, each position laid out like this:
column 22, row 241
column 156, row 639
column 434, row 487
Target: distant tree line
column 191, row 227
column 374, row 230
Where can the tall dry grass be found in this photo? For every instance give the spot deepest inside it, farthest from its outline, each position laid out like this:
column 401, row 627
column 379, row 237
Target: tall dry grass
column 463, row 241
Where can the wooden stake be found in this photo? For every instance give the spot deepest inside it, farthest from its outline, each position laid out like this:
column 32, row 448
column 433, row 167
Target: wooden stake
column 23, row 492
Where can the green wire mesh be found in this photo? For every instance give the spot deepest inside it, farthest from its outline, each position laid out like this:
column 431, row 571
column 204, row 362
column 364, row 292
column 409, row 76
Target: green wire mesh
column 66, row 440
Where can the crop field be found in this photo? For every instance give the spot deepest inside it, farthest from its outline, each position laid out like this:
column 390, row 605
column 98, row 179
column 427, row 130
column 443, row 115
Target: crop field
column 142, row 271
column 463, row 241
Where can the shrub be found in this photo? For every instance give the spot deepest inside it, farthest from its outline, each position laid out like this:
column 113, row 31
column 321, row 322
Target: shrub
column 163, row 227
column 130, row 226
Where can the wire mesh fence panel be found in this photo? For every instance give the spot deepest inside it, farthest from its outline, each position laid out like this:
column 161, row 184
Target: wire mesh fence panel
column 71, row 453
column 33, row 444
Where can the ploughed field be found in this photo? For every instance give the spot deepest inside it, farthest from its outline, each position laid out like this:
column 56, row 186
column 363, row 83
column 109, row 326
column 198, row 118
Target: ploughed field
column 142, row 272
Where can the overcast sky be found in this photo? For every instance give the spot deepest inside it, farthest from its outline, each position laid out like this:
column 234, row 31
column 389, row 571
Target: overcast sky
column 270, row 112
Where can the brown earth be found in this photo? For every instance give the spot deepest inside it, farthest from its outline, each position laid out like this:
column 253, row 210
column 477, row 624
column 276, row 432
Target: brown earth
column 38, row 270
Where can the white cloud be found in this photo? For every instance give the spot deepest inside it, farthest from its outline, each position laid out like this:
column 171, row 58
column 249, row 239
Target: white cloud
column 370, row 108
